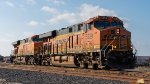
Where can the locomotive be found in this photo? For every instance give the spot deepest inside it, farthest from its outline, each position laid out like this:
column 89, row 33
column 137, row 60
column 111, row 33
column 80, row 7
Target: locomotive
column 98, row 42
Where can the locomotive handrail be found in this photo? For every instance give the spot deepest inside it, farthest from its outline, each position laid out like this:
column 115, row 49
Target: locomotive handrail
column 105, row 49
column 104, row 45
column 134, row 48
column 102, row 50
column 108, row 45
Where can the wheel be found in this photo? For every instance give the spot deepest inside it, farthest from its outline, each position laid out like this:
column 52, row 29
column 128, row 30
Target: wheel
column 78, row 65
column 40, row 62
column 95, row 66
column 48, row 63
column 26, row 60
column 107, row 67
column 76, row 61
column 44, row 63
column 85, row 65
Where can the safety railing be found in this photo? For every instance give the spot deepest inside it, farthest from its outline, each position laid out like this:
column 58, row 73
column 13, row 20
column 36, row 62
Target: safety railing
column 103, row 50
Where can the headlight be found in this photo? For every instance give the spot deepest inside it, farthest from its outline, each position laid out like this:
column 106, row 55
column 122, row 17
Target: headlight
column 115, row 46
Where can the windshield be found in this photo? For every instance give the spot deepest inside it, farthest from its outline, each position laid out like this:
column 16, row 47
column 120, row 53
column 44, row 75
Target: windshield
column 117, row 24
column 101, row 24
column 105, row 24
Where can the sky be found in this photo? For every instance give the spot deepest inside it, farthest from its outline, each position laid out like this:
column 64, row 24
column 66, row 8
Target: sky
column 20, row 19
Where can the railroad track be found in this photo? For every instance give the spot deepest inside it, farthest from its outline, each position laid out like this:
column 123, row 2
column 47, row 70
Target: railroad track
column 130, row 76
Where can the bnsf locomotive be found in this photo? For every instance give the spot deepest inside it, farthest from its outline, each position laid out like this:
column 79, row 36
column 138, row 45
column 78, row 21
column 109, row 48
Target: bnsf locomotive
column 101, row 41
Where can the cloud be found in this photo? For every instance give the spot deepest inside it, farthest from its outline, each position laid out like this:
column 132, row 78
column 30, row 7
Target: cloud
column 33, row 23
column 10, row 4
column 86, row 11
column 49, row 10
column 68, row 17
column 57, row 2
column 125, row 21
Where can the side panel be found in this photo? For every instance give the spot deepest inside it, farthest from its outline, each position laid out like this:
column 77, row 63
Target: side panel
column 20, row 50
column 96, row 39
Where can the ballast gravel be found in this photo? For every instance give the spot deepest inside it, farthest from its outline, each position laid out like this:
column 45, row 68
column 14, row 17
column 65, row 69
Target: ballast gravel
column 13, row 76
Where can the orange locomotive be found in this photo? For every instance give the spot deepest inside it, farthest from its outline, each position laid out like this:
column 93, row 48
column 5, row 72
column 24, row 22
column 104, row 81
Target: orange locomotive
column 26, row 50
column 101, row 41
